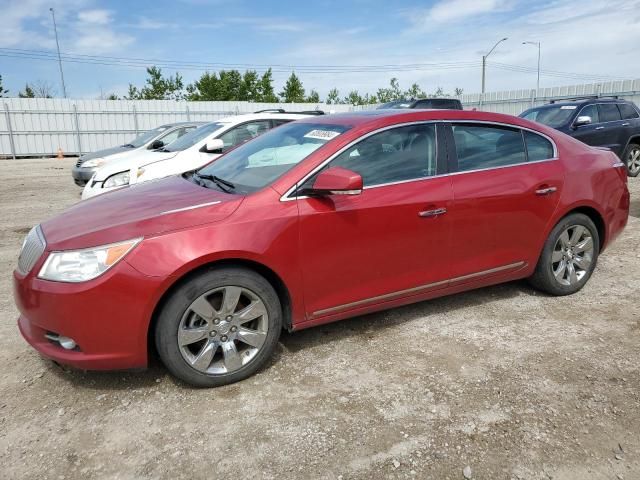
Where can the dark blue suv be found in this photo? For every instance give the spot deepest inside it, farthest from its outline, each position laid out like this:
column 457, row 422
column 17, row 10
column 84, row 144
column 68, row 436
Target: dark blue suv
column 597, row 121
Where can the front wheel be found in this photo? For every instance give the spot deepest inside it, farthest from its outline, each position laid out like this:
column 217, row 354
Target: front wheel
column 632, row 159
column 219, row 327
column 569, row 256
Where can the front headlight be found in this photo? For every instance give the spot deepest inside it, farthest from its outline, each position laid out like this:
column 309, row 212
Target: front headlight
column 116, row 180
column 96, row 162
column 85, row 264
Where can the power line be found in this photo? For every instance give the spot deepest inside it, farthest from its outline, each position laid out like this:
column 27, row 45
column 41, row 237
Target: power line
column 134, row 62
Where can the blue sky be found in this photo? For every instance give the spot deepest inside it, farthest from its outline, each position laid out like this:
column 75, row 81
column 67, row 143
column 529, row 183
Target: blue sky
column 580, row 40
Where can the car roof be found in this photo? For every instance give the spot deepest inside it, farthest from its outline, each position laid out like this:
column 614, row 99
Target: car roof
column 177, row 124
column 580, row 102
column 263, row 116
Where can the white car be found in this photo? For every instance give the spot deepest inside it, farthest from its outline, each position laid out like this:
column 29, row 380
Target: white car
column 189, row 152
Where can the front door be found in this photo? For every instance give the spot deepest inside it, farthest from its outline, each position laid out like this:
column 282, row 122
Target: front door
column 390, row 241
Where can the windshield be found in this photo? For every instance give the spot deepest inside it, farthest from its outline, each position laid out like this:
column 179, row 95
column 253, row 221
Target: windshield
column 258, row 163
column 193, row 137
column 145, row 137
column 396, row 104
column 555, row 117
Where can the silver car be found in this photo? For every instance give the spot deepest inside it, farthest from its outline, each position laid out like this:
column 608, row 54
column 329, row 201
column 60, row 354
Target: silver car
column 150, row 140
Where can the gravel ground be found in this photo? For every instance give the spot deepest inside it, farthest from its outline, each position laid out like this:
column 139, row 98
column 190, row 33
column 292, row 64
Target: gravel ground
column 501, row 382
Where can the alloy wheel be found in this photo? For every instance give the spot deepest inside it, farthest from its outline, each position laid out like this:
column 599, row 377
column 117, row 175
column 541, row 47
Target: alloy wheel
column 572, row 255
column 223, row 330
column 633, row 161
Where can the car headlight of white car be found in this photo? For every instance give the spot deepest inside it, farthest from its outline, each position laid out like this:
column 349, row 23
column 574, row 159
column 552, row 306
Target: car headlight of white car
column 117, row 180
column 86, row 264
column 93, row 163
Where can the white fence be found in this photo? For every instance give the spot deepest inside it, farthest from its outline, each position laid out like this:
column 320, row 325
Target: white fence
column 41, row 126
column 38, row 126
column 515, row 102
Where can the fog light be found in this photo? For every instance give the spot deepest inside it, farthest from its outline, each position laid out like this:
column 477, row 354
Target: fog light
column 67, row 343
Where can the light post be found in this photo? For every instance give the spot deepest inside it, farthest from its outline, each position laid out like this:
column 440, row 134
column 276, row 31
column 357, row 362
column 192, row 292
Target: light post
column 484, row 61
column 55, row 30
column 537, row 44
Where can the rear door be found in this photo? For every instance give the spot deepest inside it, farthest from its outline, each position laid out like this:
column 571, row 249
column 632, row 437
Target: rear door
column 389, row 241
column 611, row 126
column 506, row 187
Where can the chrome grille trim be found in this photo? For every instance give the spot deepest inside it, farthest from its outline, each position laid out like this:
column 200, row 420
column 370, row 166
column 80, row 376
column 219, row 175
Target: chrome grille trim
column 32, row 249
column 79, row 162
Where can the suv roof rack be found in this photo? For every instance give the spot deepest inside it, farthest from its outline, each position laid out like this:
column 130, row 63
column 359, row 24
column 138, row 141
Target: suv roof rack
column 282, row 110
column 583, row 97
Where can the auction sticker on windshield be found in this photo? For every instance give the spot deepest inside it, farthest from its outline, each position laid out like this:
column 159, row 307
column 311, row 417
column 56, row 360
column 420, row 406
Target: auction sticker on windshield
column 322, row 134
column 568, row 107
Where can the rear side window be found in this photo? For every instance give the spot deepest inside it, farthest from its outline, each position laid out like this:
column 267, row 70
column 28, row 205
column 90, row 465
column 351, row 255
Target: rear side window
column 627, row 111
column 538, row 147
column 609, row 112
column 484, row 146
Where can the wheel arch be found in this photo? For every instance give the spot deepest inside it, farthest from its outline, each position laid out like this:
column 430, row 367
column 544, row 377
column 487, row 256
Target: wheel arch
column 633, row 139
column 271, row 276
column 595, row 216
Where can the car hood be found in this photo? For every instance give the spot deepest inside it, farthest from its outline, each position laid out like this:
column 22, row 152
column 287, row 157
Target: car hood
column 132, row 162
column 107, row 152
column 143, row 210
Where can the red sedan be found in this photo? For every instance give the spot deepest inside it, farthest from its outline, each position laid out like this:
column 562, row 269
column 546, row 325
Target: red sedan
column 315, row 221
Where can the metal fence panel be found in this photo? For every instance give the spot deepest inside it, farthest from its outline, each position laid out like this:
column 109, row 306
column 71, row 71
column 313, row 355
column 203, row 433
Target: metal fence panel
column 41, row 126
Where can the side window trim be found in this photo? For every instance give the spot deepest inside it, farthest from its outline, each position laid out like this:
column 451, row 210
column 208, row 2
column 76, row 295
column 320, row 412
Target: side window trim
column 587, row 106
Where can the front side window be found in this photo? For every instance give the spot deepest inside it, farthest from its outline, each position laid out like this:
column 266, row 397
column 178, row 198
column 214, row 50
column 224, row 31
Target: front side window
column 483, row 146
column 244, row 133
column 627, row 111
column 193, row 137
column 395, row 155
column 538, row 147
column 256, row 164
column 590, row 111
column 172, row 136
column 609, row 112
column 146, row 137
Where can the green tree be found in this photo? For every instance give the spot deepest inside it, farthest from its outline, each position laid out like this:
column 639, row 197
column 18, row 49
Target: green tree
column 293, row 90
column 230, row 85
column 27, row 92
column 265, row 88
column 389, row 94
column 333, row 97
column 2, row 89
column 354, row 98
column 313, row 97
column 249, row 86
column 113, row 96
column 458, row 91
column 207, row 87
column 439, row 93
column 157, row 87
column 415, row 92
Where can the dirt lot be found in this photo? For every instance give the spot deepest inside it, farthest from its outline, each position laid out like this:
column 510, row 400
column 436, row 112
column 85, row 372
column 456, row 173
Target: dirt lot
column 506, row 381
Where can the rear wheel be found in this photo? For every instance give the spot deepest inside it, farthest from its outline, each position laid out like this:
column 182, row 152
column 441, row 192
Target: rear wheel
column 569, row 256
column 632, row 159
column 219, row 327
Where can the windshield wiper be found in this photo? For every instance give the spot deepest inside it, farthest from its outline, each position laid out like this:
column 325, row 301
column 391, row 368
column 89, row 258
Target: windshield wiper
column 224, row 185
column 129, row 145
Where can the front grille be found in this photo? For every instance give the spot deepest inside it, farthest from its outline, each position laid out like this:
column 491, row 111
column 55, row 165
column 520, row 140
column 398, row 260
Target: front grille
column 79, row 162
column 32, row 248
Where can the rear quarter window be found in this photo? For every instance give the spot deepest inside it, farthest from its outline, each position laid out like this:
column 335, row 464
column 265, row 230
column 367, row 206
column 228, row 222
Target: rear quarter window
column 538, row 147
column 627, row 111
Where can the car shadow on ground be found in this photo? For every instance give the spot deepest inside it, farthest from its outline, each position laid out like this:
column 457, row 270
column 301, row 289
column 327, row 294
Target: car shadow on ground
column 634, row 207
column 297, row 341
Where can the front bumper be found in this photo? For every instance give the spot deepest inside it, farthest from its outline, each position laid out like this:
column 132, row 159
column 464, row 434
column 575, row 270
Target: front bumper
column 82, row 175
column 108, row 317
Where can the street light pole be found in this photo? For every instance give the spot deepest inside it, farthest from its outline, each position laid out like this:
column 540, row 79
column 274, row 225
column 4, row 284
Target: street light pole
column 537, row 44
column 55, row 30
column 484, row 62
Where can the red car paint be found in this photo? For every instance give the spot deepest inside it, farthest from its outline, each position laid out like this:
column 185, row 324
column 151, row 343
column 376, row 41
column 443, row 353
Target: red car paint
column 336, row 256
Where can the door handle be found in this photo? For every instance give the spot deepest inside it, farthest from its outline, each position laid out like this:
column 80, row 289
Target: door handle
column 599, row 128
column 546, row 191
column 625, row 124
column 433, row 213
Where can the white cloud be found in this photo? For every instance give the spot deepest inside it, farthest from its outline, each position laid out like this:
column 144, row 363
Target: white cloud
column 99, row 17
column 453, row 10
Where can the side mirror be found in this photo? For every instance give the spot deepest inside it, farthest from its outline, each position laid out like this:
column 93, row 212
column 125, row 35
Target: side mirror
column 214, row 146
column 582, row 120
column 156, row 144
column 336, row 181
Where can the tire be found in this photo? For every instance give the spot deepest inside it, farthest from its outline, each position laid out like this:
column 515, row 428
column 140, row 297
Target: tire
column 631, row 158
column 219, row 327
column 567, row 244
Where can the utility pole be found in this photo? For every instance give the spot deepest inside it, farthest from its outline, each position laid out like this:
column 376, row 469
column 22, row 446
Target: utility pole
column 55, row 30
column 484, row 62
column 537, row 44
